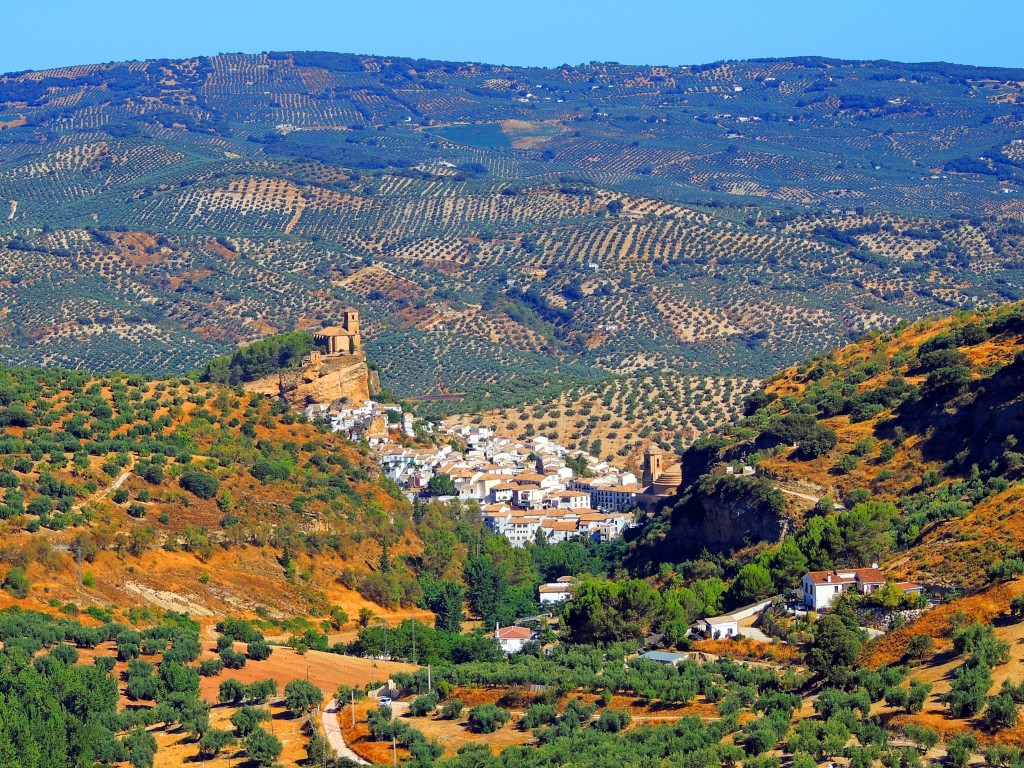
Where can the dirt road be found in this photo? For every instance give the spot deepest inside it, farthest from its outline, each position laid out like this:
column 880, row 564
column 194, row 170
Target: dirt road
column 333, row 730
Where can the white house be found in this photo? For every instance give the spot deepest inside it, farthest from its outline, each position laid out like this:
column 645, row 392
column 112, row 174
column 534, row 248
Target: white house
column 556, row 592
column 527, row 496
column 557, row 530
column 601, row 526
column 521, row 530
column 720, row 626
column 570, row 499
column 821, row 587
column 512, row 639
column 614, row 498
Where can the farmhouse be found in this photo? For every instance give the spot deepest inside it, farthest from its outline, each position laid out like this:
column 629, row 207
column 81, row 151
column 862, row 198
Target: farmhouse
column 720, row 626
column 665, row 657
column 556, row 592
column 821, row 587
column 512, row 639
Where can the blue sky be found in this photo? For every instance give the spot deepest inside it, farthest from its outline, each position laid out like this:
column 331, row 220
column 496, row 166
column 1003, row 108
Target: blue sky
column 50, row 33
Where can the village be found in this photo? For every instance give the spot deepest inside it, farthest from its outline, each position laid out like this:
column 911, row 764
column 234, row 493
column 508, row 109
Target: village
column 534, row 489
column 525, row 488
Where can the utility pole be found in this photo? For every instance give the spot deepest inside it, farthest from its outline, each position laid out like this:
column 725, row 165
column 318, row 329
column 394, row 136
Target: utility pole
column 394, row 749
column 353, row 695
column 430, row 687
column 414, row 641
column 79, row 542
column 385, row 625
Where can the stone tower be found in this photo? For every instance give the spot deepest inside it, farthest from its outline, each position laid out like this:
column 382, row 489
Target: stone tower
column 653, row 464
column 352, row 321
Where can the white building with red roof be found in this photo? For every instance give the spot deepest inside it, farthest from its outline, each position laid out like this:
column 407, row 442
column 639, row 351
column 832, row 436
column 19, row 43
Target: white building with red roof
column 512, row 639
column 556, row 592
column 820, row 588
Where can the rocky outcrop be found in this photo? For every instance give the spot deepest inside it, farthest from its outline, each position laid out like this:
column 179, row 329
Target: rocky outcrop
column 344, row 378
column 737, row 523
column 728, row 512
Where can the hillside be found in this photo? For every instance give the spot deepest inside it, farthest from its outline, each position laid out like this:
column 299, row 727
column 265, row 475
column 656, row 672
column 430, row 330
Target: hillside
column 618, row 418
column 507, row 233
column 923, row 420
column 188, row 497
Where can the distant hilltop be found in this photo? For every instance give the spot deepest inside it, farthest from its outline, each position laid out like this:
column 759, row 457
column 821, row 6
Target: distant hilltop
column 507, row 233
column 336, row 370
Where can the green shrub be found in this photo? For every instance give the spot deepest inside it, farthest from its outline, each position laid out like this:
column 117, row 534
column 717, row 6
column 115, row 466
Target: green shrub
column 17, row 583
column 202, row 484
column 211, row 667
column 487, row 718
column 271, row 471
column 258, row 650
column 452, row 709
column 263, row 748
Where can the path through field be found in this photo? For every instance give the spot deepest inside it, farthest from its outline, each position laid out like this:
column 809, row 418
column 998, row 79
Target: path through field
column 102, row 493
column 805, row 496
column 333, row 730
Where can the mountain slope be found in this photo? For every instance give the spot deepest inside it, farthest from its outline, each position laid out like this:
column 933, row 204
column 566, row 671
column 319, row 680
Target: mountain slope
column 925, row 419
column 186, row 496
column 550, row 227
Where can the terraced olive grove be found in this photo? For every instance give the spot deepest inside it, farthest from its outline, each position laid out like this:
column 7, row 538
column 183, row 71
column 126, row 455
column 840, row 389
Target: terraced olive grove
column 618, row 418
column 507, row 233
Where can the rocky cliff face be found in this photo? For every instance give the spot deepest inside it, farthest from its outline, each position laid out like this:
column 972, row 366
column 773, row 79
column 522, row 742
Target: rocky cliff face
column 727, row 525
column 332, row 379
column 724, row 513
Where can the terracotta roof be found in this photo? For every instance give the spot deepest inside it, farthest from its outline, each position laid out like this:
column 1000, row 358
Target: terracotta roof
column 549, row 589
column 596, row 517
column 333, row 330
column 513, row 633
column 848, row 576
column 570, row 494
column 671, row 476
column 560, row 525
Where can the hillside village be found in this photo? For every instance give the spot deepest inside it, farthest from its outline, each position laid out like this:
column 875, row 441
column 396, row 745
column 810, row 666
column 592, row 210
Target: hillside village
column 525, row 488
column 535, row 489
